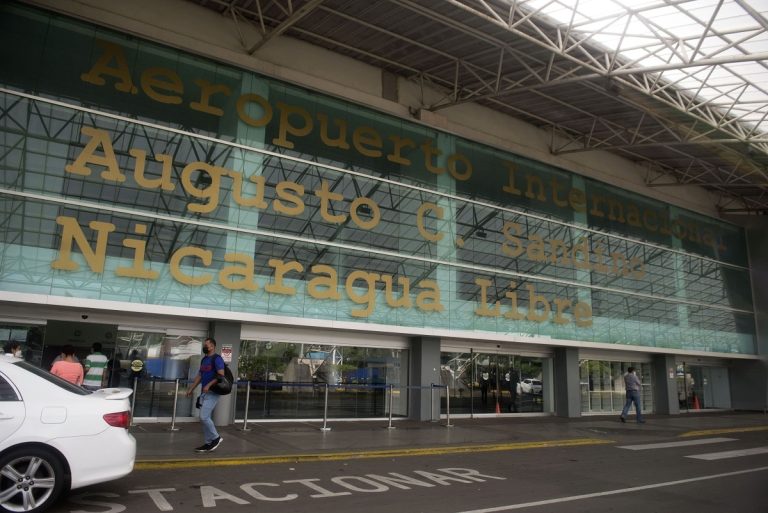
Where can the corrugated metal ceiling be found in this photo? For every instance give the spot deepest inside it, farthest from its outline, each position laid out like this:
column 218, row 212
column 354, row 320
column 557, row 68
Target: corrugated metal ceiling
column 678, row 85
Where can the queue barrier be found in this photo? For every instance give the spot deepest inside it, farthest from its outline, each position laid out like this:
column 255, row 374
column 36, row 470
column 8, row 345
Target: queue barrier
column 389, row 390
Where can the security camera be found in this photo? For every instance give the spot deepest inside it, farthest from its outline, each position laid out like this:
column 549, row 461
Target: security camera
column 84, row 316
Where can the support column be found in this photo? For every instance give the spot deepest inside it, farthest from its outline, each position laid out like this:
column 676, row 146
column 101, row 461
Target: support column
column 665, row 399
column 749, row 379
column 425, row 370
column 226, row 333
column 749, row 385
column 567, row 393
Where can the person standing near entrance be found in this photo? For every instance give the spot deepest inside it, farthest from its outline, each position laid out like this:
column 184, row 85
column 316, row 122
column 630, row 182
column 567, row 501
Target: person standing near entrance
column 67, row 368
column 13, row 349
column 633, row 385
column 95, row 364
column 512, row 384
column 211, row 367
column 485, row 384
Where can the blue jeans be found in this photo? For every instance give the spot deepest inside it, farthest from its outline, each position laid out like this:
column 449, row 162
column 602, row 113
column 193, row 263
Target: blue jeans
column 633, row 396
column 208, row 403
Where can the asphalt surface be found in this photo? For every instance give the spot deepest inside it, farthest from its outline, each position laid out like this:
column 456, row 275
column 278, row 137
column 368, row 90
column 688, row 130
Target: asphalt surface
column 269, row 440
column 699, row 463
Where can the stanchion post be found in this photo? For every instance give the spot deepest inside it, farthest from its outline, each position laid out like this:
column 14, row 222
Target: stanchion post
column 175, row 402
column 391, row 395
column 325, row 411
column 247, row 401
column 432, row 403
column 448, row 406
column 133, row 402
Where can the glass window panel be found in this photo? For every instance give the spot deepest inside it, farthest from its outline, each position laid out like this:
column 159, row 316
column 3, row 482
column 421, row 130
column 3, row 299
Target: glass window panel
column 603, row 389
column 288, row 380
column 492, row 383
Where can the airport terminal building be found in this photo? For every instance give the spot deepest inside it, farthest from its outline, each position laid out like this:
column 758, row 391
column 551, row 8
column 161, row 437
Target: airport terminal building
column 350, row 250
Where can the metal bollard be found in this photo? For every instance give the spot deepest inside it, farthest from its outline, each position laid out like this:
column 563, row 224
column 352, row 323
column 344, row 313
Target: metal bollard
column 325, row 411
column 133, row 401
column 448, row 406
column 391, row 394
column 175, row 402
column 247, row 400
column 432, row 403
column 152, row 396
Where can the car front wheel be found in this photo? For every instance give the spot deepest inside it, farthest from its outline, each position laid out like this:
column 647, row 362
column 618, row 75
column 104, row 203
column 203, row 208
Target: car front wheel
column 31, row 479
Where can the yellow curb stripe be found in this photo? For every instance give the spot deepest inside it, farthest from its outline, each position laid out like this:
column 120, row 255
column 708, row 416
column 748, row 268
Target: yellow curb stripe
column 387, row 453
column 707, row 432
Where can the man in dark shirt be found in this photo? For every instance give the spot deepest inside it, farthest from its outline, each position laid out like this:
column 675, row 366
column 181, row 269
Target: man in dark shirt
column 633, row 385
column 211, row 367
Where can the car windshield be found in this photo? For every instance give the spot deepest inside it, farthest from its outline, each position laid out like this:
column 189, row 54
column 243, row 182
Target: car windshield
column 63, row 383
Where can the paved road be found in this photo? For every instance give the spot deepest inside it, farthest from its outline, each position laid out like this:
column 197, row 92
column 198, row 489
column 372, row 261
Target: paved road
column 708, row 473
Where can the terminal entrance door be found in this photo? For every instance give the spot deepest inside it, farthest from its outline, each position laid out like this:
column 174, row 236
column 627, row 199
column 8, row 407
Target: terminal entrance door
column 80, row 335
column 702, row 387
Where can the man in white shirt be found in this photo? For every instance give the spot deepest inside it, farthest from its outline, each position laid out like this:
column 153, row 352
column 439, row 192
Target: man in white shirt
column 95, row 364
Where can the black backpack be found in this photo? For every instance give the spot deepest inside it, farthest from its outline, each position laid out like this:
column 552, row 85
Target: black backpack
column 223, row 385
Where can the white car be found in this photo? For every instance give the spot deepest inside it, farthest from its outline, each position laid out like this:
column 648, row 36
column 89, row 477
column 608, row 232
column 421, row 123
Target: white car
column 529, row 386
column 55, row 436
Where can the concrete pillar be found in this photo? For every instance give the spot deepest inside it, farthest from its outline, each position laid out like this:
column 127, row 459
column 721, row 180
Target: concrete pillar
column 665, row 400
column 749, row 379
column 749, row 385
column 567, row 393
column 548, row 394
column 226, row 333
column 424, row 371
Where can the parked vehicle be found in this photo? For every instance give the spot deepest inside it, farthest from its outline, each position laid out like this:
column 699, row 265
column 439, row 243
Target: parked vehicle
column 55, row 436
column 529, row 386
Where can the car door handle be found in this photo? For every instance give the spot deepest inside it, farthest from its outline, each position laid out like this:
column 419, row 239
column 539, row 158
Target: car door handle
column 4, row 416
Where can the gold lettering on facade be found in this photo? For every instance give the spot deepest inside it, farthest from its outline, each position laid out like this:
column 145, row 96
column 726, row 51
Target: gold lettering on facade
column 420, row 213
column 98, row 151
column 539, row 309
column 71, row 232
column 191, row 265
column 205, row 256
column 139, row 246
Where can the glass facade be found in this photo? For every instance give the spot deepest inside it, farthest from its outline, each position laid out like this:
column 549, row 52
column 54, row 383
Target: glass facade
column 137, row 173
column 290, row 381
column 702, row 387
column 603, row 389
column 30, row 338
column 481, row 383
column 162, row 358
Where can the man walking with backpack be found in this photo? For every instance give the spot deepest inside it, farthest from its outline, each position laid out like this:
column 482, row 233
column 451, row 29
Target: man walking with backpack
column 211, row 367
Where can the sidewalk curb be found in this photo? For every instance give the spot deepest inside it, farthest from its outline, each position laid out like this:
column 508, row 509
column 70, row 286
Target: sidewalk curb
column 723, row 431
column 385, row 453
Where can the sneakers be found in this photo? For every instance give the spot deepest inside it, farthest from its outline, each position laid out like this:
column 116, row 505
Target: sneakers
column 209, row 447
column 212, row 446
column 639, row 421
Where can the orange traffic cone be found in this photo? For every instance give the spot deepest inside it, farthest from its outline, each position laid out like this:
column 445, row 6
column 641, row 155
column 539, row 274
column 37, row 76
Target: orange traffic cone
column 696, row 405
